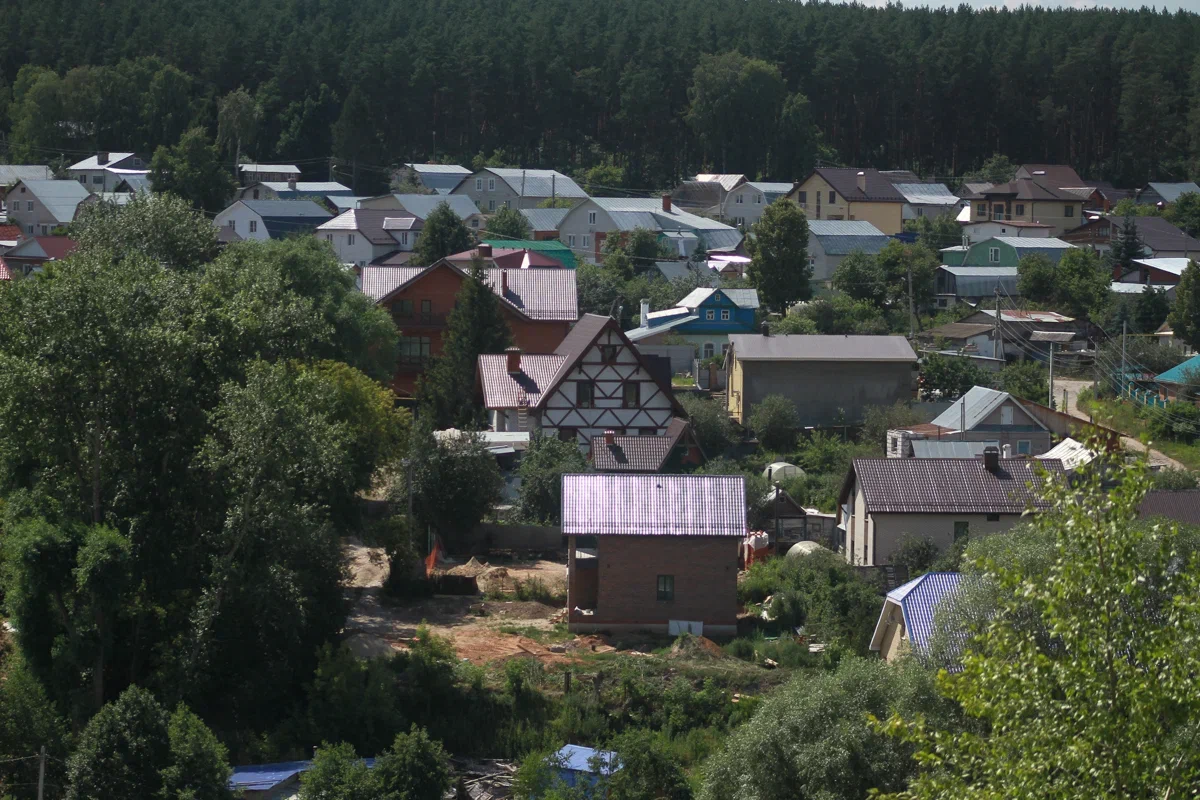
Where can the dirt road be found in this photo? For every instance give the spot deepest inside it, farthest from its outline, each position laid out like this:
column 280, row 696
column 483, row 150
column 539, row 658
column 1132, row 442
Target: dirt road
column 1073, row 388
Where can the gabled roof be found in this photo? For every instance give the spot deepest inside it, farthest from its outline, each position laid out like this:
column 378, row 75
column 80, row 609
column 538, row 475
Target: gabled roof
column 1159, row 234
column 11, row 173
column 979, row 402
column 284, row 217
column 1180, row 506
column 1170, row 192
column 727, row 180
column 837, row 227
column 957, row 330
column 1071, row 453
column 742, row 298
column 639, row 333
column 292, row 168
column 1056, row 175
column 918, row 601
column 538, row 294
column 43, row 248
column 845, row 181
column 1175, row 266
column 948, row 485
column 442, row 178
column 604, row 504
column 1181, row 373
column 536, row 182
column 1033, row 243
column 772, row 190
column 1016, row 315
column 930, row 194
column 372, row 223
column 698, row 194
column 60, row 198
column 1138, row 288
column 841, row 237
column 507, row 258
column 1030, row 189
column 93, row 162
column 422, row 205
column 803, row 347
column 637, row 453
column 344, row 202
column 550, row 247
column 544, row 219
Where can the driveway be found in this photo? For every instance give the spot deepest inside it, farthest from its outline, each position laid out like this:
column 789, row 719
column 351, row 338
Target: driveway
column 1073, row 388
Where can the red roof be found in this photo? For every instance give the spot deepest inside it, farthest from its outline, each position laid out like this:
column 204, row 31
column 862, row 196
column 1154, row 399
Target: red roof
column 510, row 258
column 56, row 247
column 537, row 294
column 5, row 275
column 10, row 233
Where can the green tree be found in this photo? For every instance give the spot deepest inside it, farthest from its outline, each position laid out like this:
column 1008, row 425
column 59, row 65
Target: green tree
column 998, row 168
column 729, row 88
column 444, row 234
column 860, row 277
column 775, row 421
column 407, row 181
column 192, row 170
column 878, row 420
column 779, row 266
column 1126, row 247
column 1184, row 213
column 712, row 425
column 545, row 461
column 122, row 751
column 1185, row 314
column 415, row 768
column 644, row 249
column 508, row 223
column 1025, row 380
column 1114, row 596
column 897, row 261
column 337, row 773
column 166, row 229
column 238, row 119
column 949, row 377
column 446, row 392
column 1151, row 310
column 648, row 768
column 199, row 767
column 936, row 232
column 1083, row 282
column 616, row 260
column 28, row 722
column 917, row 553
column 1036, row 279
column 838, row 315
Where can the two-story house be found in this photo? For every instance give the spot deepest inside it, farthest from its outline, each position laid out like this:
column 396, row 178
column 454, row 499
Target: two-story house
column 1004, row 251
column 743, row 205
column 1158, row 238
column 294, row 190
column 104, row 172
column 842, row 193
column 704, row 318
column 594, row 381
column 39, row 207
column 586, row 226
column 259, row 173
column 422, row 205
column 495, row 187
column 438, row 178
column 928, row 200
column 1027, row 200
column 365, row 236
column 989, row 415
column 540, row 305
column 1161, row 194
column 272, row 219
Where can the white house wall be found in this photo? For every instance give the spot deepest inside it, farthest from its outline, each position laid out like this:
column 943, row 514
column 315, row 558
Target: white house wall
column 242, row 216
column 577, row 233
column 361, row 252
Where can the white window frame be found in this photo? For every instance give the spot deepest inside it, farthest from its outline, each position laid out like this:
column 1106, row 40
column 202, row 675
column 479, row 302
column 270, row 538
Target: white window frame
column 1006, row 415
column 98, row 179
column 474, row 222
column 1024, row 447
column 587, row 241
column 329, row 237
column 233, row 225
column 740, row 199
column 479, row 184
column 758, row 199
column 254, row 226
column 404, row 237
column 570, row 240
column 591, row 218
column 710, row 314
column 709, row 350
column 724, row 314
column 993, row 255
column 349, row 238
column 491, row 205
column 491, row 184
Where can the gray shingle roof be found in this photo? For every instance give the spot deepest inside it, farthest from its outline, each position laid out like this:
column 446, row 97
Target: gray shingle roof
column 653, row 505
column 1158, row 234
column 544, row 219
column 538, row 182
column 802, row 347
column 61, row 198
column 637, row 453
column 949, row 485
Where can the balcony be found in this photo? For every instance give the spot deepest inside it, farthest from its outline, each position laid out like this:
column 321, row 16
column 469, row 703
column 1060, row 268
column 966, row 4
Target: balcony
column 419, row 319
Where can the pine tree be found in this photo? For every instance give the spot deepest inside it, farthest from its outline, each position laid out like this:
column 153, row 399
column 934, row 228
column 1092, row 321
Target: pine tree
column 779, row 266
column 443, row 234
column 446, row 392
column 1126, row 247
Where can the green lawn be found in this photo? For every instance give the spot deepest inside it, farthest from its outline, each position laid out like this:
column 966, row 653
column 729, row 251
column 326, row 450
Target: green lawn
column 1125, row 417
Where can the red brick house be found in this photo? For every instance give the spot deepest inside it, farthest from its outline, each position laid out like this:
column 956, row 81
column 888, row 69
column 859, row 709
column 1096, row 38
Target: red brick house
column 656, row 553
column 540, row 305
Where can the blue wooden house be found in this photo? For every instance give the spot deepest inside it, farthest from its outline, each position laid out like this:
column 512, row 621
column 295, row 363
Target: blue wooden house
column 704, row 319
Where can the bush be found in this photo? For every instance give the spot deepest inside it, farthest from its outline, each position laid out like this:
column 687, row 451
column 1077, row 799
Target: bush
column 878, row 420
column 1025, row 380
column 542, row 468
column 918, row 553
column 1179, row 422
column 712, row 425
column 535, row 589
column 1174, row 480
column 775, row 422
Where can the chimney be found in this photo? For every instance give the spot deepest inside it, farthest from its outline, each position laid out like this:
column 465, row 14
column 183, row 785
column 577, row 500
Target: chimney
column 610, row 437
column 514, row 360
column 991, row 459
column 485, row 251
column 292, row 184
column 766, row 329
column 503, row 282
column 645, row 321
column 666, row 198
column 862, row 182
column 1006, row 450
column 102, row 158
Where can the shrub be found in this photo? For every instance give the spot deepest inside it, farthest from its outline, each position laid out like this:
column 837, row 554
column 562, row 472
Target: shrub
column 1179, row 421
column 1174, row 480
column 775, row 422
column 714, row 430
column 535, row 589
column 918, row 553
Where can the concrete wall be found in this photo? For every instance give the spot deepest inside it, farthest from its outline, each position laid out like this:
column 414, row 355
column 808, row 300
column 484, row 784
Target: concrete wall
column 885, row 530
column 823, row 389
column 681, row 355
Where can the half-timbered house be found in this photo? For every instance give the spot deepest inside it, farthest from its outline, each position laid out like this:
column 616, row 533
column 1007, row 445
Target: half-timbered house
column 594, row 381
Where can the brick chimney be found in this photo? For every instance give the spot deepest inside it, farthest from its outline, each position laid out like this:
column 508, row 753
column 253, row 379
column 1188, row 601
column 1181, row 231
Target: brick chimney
column 514, row 360
column 102, row 158
column 666, row 198
column 503, row 282
column 292, row 184
column 766, row 328
column 485, row 251
column 991, row 459
column 862, row 182
column 610, row 437
column 645, row 319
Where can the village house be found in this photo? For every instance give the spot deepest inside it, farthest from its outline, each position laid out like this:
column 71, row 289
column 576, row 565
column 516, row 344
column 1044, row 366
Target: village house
column 422, row 205
column 1161, row 194
column 294, row 190
column 971, row 285
column 544, row 222
column 927, row 200
column 267, row 173
column 591, row 382
column 978, row 231
column 840, row 193
column 365, row 236
column 744, row 204
column 272, row 219
column 30, row 255
column 539, row 305
column 551, row 248
column 654, row 553
column 104, row 172
column 674, row 450
column 505, row 257
column 1027, row 200
column 1004, row 251
column 944, row 499
column 703, row 198
column 704, row 318
column 1180, row 382
column 788, row 522
column 494, row 188
column 1157, row 271
column 585, row 227
column 280, row 781
column 1136, row 289
column 830, row 241
column 984, row 414
column 439, row 178
column 833, row 379
column 1159, row 238
column 1017, row 328
column 906, row 624
column 39, row 207
column 967, row 337
column 1105, row 196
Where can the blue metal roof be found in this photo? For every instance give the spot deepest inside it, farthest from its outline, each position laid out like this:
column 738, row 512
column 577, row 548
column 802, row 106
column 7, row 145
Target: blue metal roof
column 579, row 759
column 1184, row 373
column 918, row 600
column 844, row 245
column 263, row 777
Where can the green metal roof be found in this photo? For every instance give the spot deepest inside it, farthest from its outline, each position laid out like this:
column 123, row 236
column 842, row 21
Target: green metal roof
column 550, row 247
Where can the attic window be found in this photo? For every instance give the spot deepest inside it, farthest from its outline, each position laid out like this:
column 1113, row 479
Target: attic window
column 608, row 353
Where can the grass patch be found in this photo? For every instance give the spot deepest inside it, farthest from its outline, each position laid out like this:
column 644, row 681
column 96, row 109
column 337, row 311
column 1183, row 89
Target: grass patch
column 1134, row 422
column 683, row 380
column 558, row 633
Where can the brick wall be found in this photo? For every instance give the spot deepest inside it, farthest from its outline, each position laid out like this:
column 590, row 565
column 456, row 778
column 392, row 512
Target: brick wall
column 705, row 570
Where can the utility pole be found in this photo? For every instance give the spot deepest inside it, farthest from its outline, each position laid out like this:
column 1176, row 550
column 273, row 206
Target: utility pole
column 996, row 335
column 912, row 320
column 1051, row 402
column 41, row 772
column 1124, row 326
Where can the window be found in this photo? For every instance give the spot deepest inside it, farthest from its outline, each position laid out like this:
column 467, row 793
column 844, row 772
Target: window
column 740, row 198
column 832, row 196
column 491, row 205
column 710, row 314
column 981, row 210
column 993, row 517
column 608, row 353
column 426, row 307
column 508, row 203
column 404, row 237
column 758, row 199
column 994, row 255
column 591, row 218
column 414, row 349
column 1019, row 210
column 1068, row 211
column 82, row 179
column 29, row 206
column 740, row 222
column 1006, row 415
column 724, row 348
column 474, row 222
column 570, row 240
column 232, row 225
column 491, row 184
column 350, row 238
column 920, row 211
column 803, row 198
column 479, row 184
column 812, row 261
column 708, row 350
column 1024, row 447
column 31, row 229
column 725, row 314
column 631, row 395
column 666, row 588
column 255, row 193
column 254, row 226
column 585, row 394
column 137, row 163
column 97, row 180
column 961, row 530
column 567, row 434
column 998, row 212
column 45, row 230
column 587, row 241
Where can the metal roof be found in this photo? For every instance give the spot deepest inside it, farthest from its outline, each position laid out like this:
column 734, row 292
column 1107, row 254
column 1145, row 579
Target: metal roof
column 93, row 162
column 1071, row 453
column 946, row 448
column 1170, row 192
column 1184, row 373
column 637, row 453
column 727, row 180
column 286, row 209
column 344, row 203
column 1015, row 315
column 980, row 402
column 931, row 194
column 637, row 334
column 292, row 168
column 837, row 227
column 1137, row 288
column 772, row 189
column 845, row 245
column 982, row 281
column 309, row 187
column 548, row 247
column 671, row 270
column 803, row 347
column 1051, row 336
column 544, row 219
column 372, row 223
column 263, row 777
column 579, row 759
column 539, row 293
column 631, row 220
column 918, row 600
column 61, row 198
column 438, row 169
column 950, row 485
column 653, row 505
column 537, row 182
column 441, row 178
column 1031, row 243
column 11, row 173
column 1180, row 506
column 504, row 390
column 1175, row 266
column 989, row 272
column 422, row 205
column 742, row 298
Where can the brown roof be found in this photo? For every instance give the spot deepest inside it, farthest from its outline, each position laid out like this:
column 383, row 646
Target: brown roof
column 637, row 453
column 1154, row 232
column 1181, row 507
column 369, row 223
column 948, row 485
column 544, row 294
column 1029, row 189
column 957, row 330
column 1055, row 175
column 845, row 181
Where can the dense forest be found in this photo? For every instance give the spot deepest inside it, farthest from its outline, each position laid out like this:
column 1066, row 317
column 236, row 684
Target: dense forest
column 648, row 92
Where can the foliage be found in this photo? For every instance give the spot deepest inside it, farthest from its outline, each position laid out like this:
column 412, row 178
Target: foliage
column 1169, row 479
column 709, row 420
column 1151, row 311
column 838, row 315
column 443, row 234
column 897, row 262
column 1184, row 213
column 28, row 722
column 779, row 266
column 337, row 773
column 163, row 228
column 1109, row 597
column 407, row 181
column 878, row 420
column 1025, row 380
column 476, row 326
column 1179, row 421
column 545, row 461
column 918, row 553
column 811, row 739
column 775, row 422
column 238, row 119
column 1082, row 282
column 648, row 769
column 508, row 223
column 415, row 768
column 827, row 453
column 1185, row 314
column 998, row 168
column 192, row 169
column 1036, row 279
column 936, row 232
column 949, row 377
column 1154, row 357
column 1126, row 246
column 199, row 767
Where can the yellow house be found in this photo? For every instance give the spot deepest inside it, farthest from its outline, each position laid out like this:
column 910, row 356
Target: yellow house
column 851, row 194
column 1027, row 200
